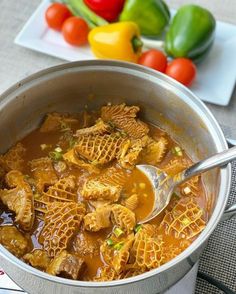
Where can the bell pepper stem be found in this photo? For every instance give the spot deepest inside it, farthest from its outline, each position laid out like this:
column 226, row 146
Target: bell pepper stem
column 153, row 44
column 136, row 43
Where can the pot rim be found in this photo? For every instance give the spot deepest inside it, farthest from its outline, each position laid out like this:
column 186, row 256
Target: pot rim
column 225, row 172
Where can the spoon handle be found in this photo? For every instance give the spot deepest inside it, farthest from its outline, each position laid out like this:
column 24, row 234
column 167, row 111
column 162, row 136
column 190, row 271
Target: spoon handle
column 216, row 160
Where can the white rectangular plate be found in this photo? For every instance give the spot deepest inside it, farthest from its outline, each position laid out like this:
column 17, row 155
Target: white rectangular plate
column 216, row 75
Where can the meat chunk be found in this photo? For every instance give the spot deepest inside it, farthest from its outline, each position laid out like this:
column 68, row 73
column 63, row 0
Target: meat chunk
column 85, row 244
column 94, row 189
column 117, row 255
column 63, row 190
column 19, row 199
column 37, row 258
column 146, row 252
column 99, row 149
column 154, row 151
column 106, row 186
column 43, row 173
column 130, row 152
column 170, row 251
column 123, row 217
column 99, row 219
column 121, row 256
column 131, row 202
column 99, row 128
column 124, row 118
column 67, row 265
column 185, row 220
column 71, row 158
column 175, row 166
column 57, row 121
column 105, row 274
column 130, row 272
column 14, row 158
column 61, row 222
column 191, row 187
column 114, row 176
column 98, row 203
column 14, row 241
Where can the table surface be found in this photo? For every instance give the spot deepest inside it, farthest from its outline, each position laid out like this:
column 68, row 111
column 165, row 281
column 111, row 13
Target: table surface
column 17, row 62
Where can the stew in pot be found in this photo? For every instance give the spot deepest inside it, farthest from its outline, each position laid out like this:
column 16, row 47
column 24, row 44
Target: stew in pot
column 71, row 196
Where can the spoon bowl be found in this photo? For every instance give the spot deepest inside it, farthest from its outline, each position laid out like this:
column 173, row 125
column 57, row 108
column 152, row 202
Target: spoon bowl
column 164, row 185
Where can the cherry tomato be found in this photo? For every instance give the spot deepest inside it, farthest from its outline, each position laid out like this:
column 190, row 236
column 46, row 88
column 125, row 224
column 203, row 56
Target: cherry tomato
column 183, row 70
column 56, row 14
column 108, row 9
column 75, row 31
column 155, row 59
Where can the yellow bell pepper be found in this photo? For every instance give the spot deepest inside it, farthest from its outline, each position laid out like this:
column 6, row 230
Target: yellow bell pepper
column 119, row 41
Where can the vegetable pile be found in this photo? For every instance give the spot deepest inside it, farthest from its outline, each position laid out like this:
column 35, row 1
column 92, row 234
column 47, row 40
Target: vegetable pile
column 125, row 29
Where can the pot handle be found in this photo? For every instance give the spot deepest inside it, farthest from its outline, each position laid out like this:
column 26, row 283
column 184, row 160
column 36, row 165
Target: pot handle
column 230, row 212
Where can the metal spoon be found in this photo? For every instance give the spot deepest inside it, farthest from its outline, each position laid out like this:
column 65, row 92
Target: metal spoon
column 164, row 185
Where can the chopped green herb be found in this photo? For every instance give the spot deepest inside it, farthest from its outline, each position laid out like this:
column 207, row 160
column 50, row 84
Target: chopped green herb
column 27, row 177
column 94, row 162
column 112, row 125
column 176, row 196
column 137, row 228
column 72, row 143
column 177, row 151
column 118, row 232
column 109, row 242
column 118, row 246
column 58, row 149
column 117, row 134
column 123, row 134
column 54, row 155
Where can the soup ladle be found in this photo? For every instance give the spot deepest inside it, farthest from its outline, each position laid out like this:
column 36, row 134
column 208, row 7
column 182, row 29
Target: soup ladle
column 164, row 184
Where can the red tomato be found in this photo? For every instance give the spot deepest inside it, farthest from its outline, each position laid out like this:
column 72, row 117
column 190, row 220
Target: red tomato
column 155, row 59
column 75, row 31
column 56, row 14
column 183, row 70
column 108, row 9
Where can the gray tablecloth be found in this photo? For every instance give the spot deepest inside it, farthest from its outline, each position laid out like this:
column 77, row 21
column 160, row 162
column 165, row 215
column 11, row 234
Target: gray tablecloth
column 219, row 258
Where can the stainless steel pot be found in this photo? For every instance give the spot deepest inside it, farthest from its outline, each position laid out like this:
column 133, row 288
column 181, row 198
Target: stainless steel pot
column 73, row 86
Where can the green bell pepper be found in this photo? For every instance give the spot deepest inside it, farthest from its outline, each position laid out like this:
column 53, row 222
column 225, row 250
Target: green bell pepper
column 191, row 33
column 151, row 16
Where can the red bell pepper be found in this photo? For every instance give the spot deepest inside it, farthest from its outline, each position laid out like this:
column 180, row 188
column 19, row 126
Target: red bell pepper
column 108, row 9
